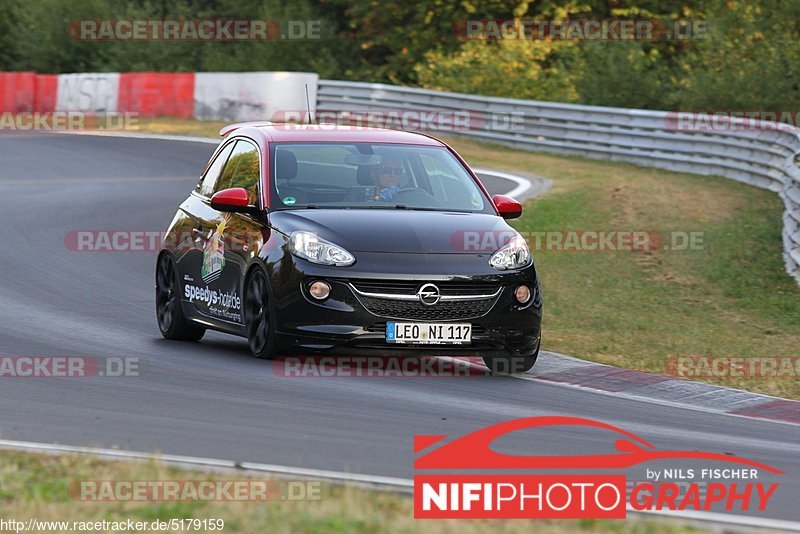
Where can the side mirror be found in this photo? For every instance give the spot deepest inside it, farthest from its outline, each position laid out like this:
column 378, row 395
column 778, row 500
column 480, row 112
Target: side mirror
column 234, row 200
column 507, row 206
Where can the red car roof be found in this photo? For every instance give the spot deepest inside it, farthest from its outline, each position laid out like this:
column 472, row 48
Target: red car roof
column 332, row 133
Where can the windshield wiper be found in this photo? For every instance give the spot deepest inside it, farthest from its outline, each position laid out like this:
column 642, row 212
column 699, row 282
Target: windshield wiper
column 397, row 207
column 369, row 207
column 417, row 208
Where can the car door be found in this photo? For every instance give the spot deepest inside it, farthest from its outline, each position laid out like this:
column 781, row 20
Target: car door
column 201, row 264
column 223, row 242
column 239, row 233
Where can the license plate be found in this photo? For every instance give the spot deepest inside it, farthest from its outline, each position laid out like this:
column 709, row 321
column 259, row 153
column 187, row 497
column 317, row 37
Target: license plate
column 429, row 333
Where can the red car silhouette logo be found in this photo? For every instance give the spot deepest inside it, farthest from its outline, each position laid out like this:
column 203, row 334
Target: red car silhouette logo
column 473, row 451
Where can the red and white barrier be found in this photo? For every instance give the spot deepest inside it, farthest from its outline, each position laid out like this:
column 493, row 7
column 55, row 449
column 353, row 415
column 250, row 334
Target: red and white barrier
column 45, row 92
column 17, row 91
column 88, row 92
column 230, row 96
column 155, row 94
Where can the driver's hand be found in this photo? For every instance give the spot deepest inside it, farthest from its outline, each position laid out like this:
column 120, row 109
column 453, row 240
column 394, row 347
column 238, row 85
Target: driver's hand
column 389, row 193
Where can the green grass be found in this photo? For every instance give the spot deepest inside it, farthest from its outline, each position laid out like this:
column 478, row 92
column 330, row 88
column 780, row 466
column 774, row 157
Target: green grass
column 35, row 486
column 174, row 126
column 733, row 298
column 639, row 310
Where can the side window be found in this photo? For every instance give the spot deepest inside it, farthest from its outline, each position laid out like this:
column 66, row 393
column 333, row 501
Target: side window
column 435, row 167
column 242, row 170
column 206, row 185
column 451, row 182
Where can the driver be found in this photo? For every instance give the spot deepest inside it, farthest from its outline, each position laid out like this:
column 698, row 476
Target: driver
column 387, row 178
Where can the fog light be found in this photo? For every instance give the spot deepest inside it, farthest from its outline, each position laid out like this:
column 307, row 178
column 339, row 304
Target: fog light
column 319, row 290
column 523, row 294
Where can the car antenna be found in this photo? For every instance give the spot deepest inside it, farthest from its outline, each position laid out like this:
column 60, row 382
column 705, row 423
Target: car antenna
column 308, row 107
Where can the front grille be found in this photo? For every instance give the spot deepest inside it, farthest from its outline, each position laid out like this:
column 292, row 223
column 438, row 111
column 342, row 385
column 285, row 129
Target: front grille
column 416, row 311
column 410, row 287
column 397, row 299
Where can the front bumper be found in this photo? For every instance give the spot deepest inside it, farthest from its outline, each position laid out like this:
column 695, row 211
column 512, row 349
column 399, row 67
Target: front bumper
column 342, row 324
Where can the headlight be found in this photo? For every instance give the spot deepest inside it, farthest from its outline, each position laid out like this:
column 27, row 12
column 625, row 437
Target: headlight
column 513, row 255
column 313, row 248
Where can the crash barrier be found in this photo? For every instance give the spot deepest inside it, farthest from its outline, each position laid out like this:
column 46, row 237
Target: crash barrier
column 232, row 96
column 762, row 155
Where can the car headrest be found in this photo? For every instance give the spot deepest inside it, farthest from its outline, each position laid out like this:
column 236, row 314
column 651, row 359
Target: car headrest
column 285, row 165
column 364, row 174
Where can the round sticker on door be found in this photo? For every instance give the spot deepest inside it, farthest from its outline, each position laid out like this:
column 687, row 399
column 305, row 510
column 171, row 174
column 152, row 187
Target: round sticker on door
column 289, row 200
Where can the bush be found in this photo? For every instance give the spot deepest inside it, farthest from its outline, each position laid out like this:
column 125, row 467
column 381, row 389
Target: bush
column 519, row 69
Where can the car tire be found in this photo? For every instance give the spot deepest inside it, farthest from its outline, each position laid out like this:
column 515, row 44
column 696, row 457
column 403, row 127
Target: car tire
column 506, row 365
column 169, row 312
column 259, row 324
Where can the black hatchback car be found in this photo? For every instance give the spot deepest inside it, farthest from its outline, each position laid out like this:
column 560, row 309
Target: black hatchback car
column 348, row 241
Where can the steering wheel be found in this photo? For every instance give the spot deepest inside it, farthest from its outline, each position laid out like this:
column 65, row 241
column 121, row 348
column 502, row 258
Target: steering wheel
column 416, row 191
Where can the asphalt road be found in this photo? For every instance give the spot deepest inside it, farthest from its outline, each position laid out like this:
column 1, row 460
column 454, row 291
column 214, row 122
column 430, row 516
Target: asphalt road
column 212, row 399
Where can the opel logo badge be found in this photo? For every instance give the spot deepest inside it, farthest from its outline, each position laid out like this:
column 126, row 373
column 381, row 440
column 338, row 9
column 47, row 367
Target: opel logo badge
column 428, row 294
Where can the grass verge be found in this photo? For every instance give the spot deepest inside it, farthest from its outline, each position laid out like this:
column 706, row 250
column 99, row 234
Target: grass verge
column 35, row 486
column 732, row 298
column 174, row 126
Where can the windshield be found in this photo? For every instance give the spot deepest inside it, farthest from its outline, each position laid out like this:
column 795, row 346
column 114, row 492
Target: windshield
column 375, row 176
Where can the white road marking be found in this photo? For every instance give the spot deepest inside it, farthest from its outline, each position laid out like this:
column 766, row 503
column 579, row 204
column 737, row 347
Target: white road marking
column 163, row 137
column 523, row 184
column 192, row 461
